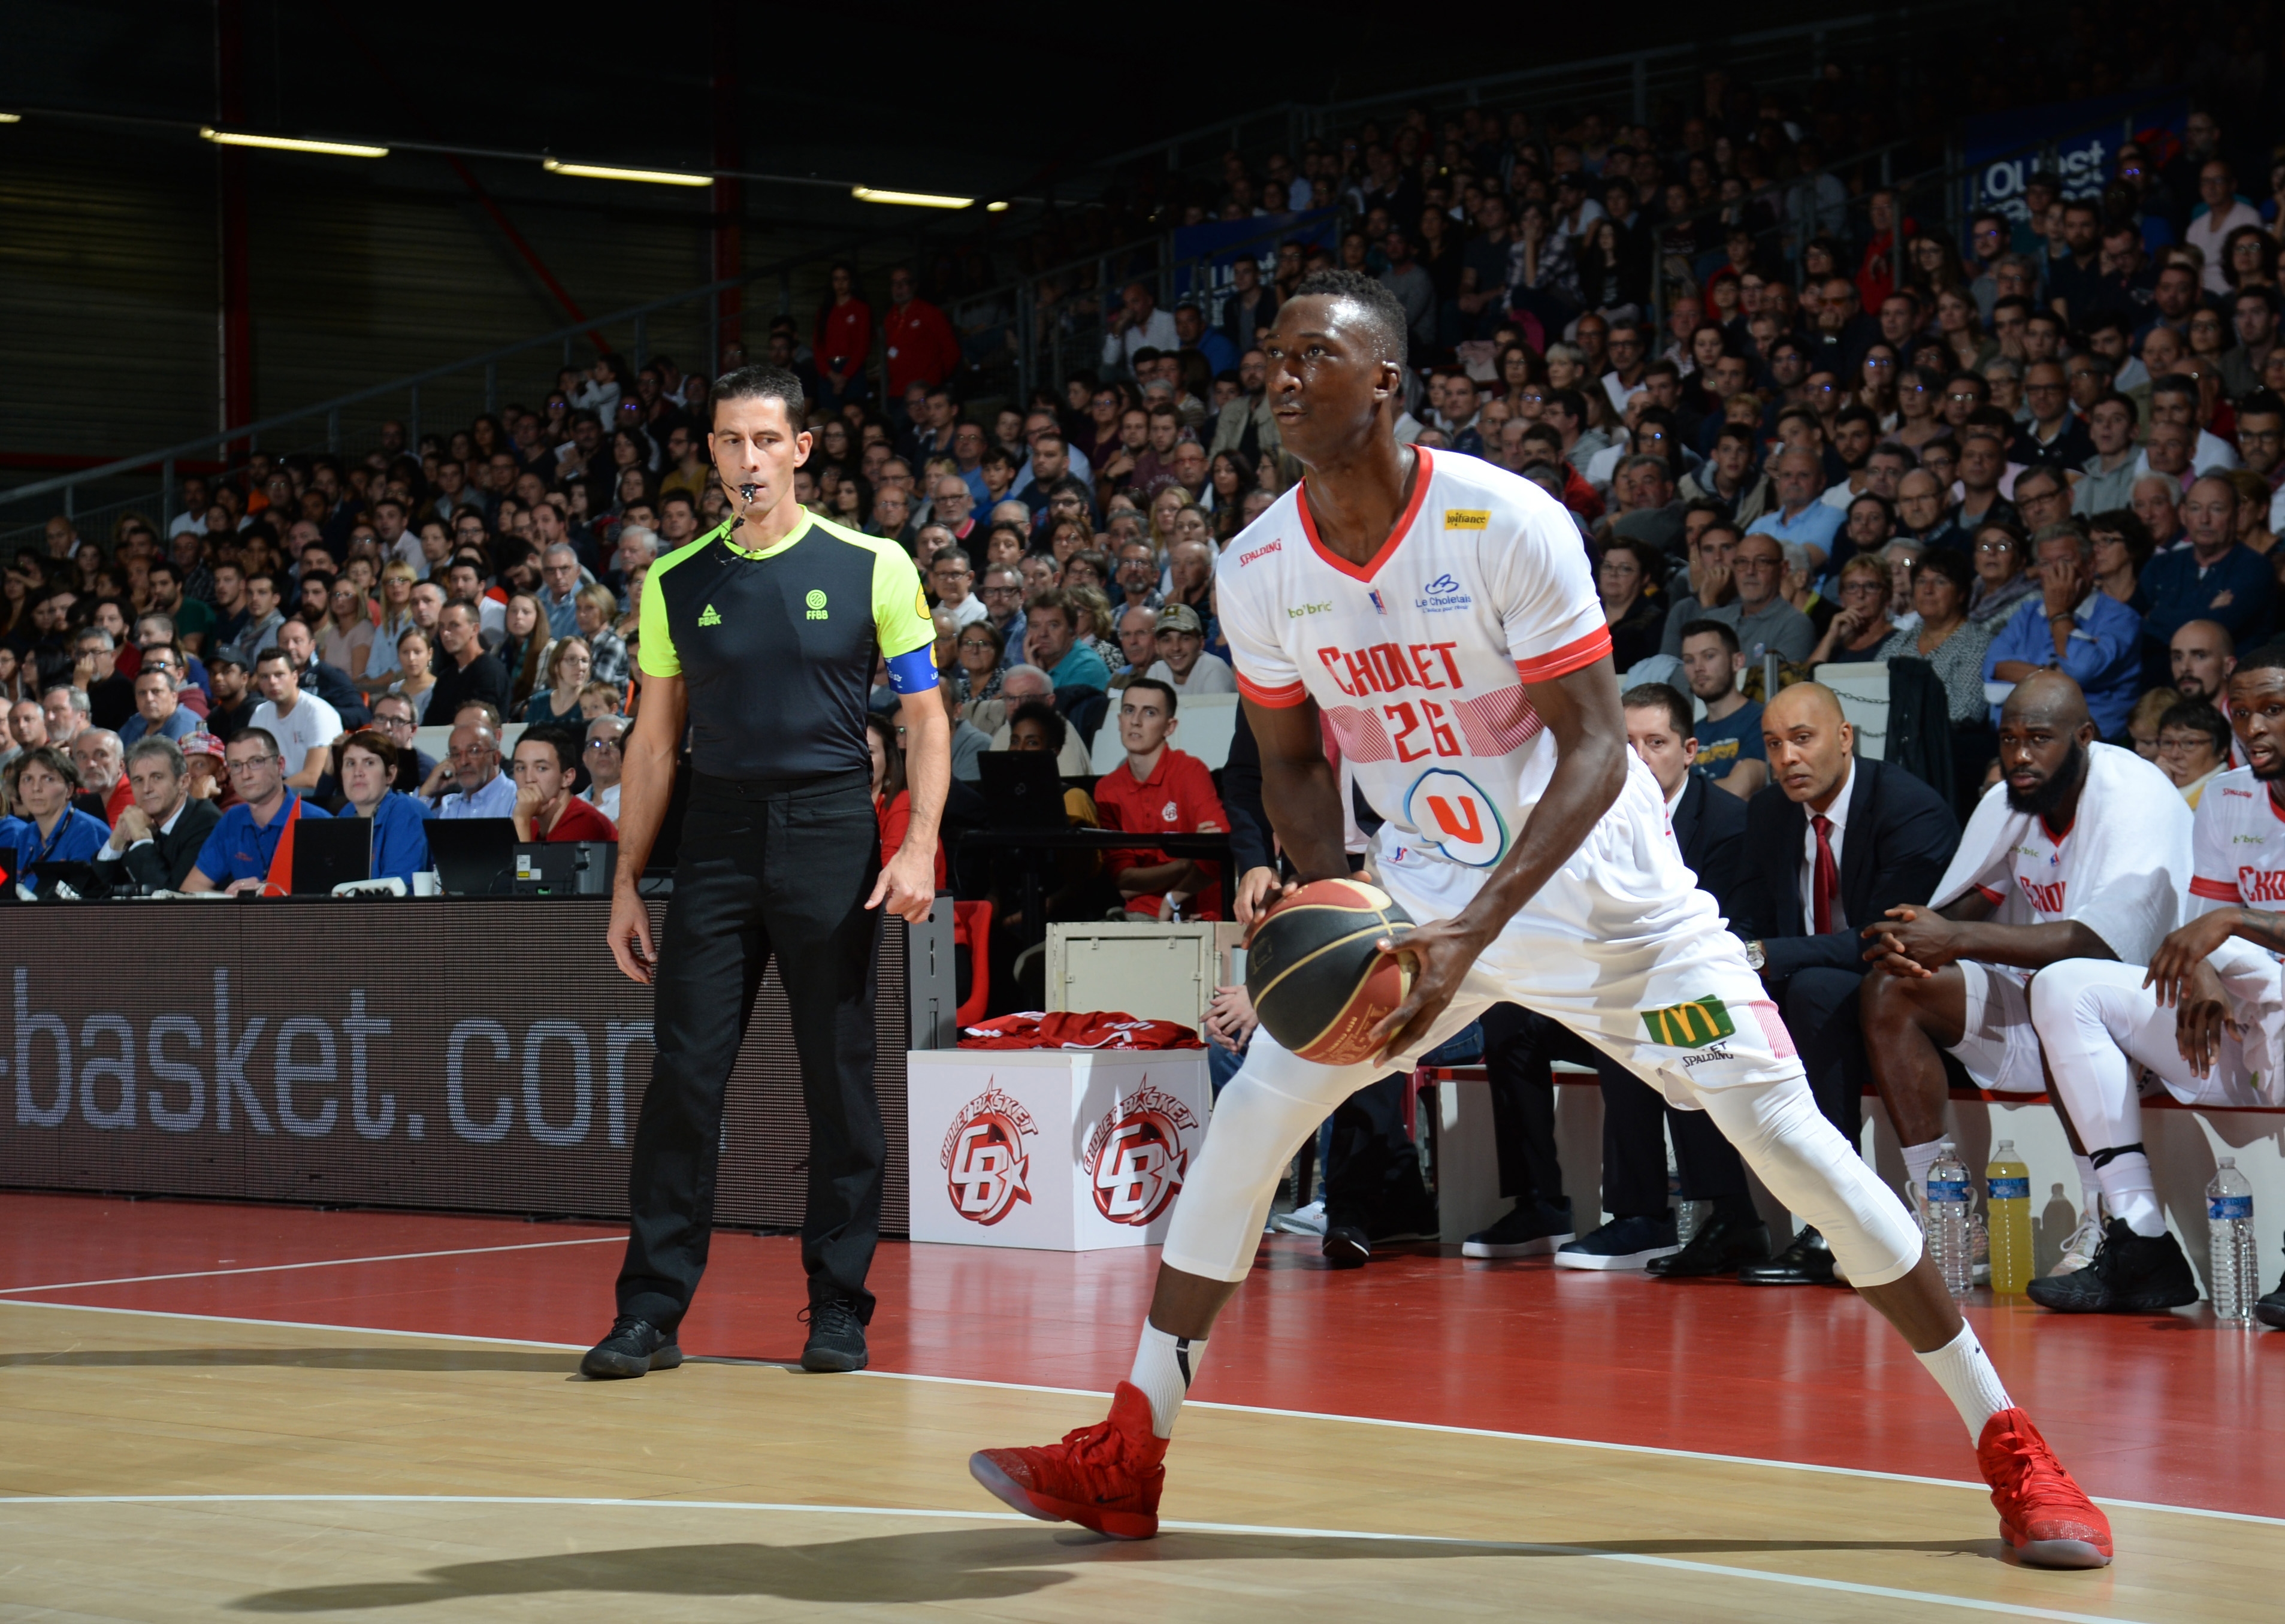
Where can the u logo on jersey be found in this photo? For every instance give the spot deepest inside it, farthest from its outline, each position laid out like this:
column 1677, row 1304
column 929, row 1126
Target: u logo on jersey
column 1457, row 818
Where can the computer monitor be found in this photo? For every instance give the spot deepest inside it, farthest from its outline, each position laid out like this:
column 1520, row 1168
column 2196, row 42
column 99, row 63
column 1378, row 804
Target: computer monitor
column 474, row 857
column 1021, row 789
column 330, row 851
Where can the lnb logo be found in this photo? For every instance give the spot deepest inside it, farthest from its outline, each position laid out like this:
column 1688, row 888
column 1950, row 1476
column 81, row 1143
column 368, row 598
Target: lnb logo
column 988, row 1171
column 1136, row 1157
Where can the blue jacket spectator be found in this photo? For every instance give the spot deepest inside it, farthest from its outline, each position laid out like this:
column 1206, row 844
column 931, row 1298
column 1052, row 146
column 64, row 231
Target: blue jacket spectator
column 2101, row 650
column 2232, row 585
column 44, row 783
column 400, row 837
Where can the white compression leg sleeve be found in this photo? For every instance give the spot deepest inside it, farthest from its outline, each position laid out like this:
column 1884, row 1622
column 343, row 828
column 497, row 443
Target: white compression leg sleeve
column 2096, row 1022
column 1263, row 1115
column 1790, row 1146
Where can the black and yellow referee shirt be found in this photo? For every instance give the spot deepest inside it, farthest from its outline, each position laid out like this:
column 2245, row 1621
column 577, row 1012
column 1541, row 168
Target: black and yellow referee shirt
column 777, row 647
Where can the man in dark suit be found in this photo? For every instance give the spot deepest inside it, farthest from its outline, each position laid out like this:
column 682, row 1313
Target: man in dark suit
column 1832, row 843
column 156, row 842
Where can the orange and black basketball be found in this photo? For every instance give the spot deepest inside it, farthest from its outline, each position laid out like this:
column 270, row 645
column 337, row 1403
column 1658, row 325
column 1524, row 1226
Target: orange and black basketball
column 1318, row 983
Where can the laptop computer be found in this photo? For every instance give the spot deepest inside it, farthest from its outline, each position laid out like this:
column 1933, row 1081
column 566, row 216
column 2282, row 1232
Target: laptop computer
column 566, row 868
column 81, row 878
column 330, row 851
column 1021, row 789
column 474, row 857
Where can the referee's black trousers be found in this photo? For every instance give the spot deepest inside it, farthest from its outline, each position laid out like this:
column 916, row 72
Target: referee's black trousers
column 763, row 869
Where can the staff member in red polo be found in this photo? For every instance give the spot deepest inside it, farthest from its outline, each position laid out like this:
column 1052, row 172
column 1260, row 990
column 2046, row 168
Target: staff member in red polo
column 1164, row 790
column 758, row 641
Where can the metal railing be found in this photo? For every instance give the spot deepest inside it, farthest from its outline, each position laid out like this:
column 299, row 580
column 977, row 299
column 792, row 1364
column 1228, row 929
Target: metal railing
column 689, row 322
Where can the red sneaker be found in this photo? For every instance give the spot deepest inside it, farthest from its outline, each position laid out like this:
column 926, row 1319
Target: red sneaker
column 2047, row 1517
column 1106, row 1477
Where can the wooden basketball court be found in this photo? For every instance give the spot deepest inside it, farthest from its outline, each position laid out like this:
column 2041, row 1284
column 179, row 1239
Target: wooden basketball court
column 245, row 1421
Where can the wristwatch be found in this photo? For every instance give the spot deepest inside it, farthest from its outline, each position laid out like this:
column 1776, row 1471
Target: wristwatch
column 1757, row 959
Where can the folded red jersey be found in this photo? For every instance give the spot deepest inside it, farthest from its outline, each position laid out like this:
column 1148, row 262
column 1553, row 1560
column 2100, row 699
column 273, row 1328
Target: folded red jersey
column 1096, row 1029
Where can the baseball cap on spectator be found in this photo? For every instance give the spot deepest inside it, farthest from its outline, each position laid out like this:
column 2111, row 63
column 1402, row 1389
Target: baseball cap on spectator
column 1181, row 617
column 203, row 743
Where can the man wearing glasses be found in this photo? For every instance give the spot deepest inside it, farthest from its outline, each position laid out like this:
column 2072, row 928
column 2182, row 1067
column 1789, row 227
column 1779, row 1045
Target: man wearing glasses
column 241, row 855
column 393, row 719
column 603, row 756
column 2054, row 436
column 950, row 573
column 1003, row 604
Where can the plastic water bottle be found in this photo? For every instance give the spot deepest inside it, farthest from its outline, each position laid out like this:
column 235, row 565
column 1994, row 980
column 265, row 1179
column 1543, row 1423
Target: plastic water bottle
column 2007, row 1202
column 2229, row 1225
column 1948, row 1240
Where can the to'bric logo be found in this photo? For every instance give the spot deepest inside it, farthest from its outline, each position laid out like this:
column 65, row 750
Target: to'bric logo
column 986, row 1168
column 1136, row 1157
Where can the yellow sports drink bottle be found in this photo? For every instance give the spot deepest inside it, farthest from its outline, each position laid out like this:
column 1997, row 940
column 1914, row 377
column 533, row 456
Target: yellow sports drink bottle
column 2007, row 1195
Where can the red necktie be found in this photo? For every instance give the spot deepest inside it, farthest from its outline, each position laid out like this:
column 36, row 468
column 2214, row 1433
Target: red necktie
column 1826, row 880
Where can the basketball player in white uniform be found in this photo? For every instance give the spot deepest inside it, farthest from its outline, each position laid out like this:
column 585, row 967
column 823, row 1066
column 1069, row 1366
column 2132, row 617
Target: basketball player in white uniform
column 2207, row 1019
column 1441, row 613
column 2083, row 852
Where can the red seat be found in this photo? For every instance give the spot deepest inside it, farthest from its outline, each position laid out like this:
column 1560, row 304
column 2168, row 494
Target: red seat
column 972, row 926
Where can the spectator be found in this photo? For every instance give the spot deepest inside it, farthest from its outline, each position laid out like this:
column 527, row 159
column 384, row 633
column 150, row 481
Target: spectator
column 1950, row 643
column 1729, row 733
column 158, row 713
column 155, row 842
column 843, row 341
column 110, row 693
column 2002, row 580
column 242, row 853
column 327, row 682
column 917, row 343
column 2142, row 721
column 1831, row 845
column 67, row 712
column 557, row 705
column 2193, row 741
column 950, row 573
column 1028, row 684
column 1182, row 661
column 1159, row 789
column 2111, row 470
column 1138, row 324
column 1800, row 514
column 2219, row 212
column 101, row 760
column 1054, row 647
column 301, row 727
column 263, row 619
column 558, row 568
column 978, row 656
column 1626, row 578
column 607, row 650
column 2070, row 627
column 969, row 741
column 370, row 761
column 479, row 789
column 192, row 618
column 467, row 671
column 546, row 763
column 605, row 757
column 2122, row 547
column 347, row 641
column 234, row 698
column 395, row 718
column 46, row 828
column 1763, row 621
column 2216, row 577
column 1861, row 628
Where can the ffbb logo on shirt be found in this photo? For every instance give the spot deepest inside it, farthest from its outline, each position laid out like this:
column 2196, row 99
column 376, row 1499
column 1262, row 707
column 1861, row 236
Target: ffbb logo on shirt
column 816, row 601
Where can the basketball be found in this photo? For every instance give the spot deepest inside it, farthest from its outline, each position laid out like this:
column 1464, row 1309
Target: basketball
column 1317, row 982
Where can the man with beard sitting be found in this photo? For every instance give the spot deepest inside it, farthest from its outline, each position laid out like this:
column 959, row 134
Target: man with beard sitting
column 2086, row 855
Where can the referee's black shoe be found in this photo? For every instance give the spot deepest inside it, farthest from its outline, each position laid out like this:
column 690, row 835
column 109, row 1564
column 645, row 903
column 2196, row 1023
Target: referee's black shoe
column 635, row 1347
column 836, row 1337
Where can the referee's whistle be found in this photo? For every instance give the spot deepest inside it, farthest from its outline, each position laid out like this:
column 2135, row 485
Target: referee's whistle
column 747, row 491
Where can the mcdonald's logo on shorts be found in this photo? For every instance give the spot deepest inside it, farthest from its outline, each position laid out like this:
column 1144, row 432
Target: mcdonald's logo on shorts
column 1692, row 1025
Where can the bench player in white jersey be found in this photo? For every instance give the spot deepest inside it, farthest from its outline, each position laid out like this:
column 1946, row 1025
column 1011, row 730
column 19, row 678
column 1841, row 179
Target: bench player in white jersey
column 2207, row 1018
column 2082, row 852
column 1439, row 612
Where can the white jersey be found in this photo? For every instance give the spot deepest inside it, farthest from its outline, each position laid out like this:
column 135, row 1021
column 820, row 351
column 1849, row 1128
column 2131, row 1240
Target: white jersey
column 2121, row 868
column 2237, row 845
column 1417, row 659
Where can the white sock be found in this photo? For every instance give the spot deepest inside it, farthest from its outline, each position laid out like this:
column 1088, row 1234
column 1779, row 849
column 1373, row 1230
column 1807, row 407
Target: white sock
column 1963, row 1370
column 2090, row 1186
column 2128, row 1193
column 1164, row 1365
column 1917, row 1160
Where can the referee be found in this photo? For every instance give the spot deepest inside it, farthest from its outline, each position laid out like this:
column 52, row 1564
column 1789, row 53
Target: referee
column 758, row 640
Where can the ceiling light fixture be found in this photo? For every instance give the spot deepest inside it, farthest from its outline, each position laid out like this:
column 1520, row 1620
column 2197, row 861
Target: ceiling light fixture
column 11, row 118
column 291, row 144
column 914, row 200
column 598, row 171
column 998, row 206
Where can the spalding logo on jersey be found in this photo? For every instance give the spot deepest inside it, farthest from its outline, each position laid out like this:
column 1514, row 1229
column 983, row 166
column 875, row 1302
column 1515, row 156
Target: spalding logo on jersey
column 1457, row 818
column 986, row 1169
column 1136, row 1157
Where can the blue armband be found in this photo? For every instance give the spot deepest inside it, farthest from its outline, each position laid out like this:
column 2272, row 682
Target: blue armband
column 913, row 672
